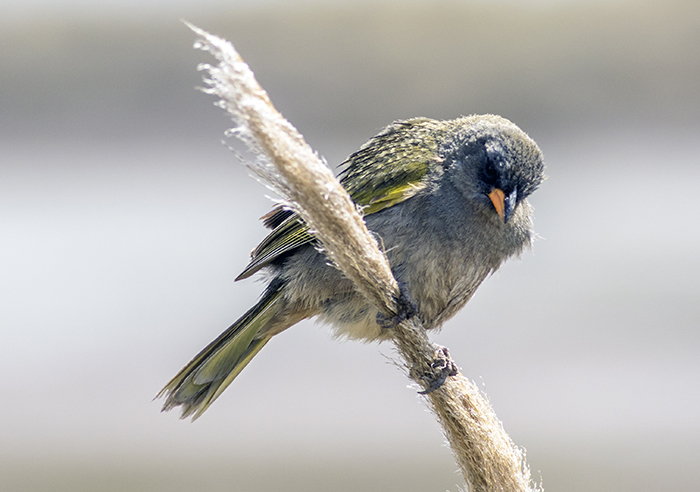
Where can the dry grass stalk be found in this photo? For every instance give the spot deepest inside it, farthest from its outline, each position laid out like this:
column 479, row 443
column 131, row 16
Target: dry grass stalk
column 488, row 458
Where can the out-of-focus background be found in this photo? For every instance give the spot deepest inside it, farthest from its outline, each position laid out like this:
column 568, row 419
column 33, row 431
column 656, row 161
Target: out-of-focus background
column 123, row 222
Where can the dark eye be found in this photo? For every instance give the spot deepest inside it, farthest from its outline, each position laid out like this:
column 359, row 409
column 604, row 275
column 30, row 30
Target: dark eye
column 490, row 173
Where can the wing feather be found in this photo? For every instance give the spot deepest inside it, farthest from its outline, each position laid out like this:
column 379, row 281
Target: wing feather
column 389, row 169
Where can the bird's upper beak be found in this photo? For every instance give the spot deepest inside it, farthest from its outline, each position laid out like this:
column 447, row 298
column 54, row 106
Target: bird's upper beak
column 503, row 204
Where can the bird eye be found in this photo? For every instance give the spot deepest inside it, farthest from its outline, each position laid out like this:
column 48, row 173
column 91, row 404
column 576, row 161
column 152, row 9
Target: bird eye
column 490, row 174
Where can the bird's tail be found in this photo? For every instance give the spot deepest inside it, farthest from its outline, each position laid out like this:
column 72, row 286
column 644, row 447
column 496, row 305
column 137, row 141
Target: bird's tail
column 201, row 381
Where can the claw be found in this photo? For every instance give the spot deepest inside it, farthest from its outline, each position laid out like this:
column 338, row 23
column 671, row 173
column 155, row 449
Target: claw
column 406, row 310
column 443, row 367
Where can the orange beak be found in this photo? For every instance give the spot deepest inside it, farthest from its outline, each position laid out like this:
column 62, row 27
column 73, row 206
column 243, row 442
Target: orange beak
column 498, row 199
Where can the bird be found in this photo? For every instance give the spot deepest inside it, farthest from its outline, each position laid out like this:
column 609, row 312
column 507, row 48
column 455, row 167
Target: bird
column 447, row 202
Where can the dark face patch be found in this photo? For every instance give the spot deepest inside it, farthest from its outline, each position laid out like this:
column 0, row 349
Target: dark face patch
column 510, row 162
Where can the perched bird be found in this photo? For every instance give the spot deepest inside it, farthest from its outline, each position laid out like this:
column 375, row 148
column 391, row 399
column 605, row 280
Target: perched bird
column 447, row 202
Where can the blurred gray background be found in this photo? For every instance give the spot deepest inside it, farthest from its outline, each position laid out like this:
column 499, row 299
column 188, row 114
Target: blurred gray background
column 123, row 222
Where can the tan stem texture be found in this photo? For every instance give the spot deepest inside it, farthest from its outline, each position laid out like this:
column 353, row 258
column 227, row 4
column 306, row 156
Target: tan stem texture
column 488, row 458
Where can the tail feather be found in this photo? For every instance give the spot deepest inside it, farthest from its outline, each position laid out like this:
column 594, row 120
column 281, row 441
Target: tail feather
column 210, row 372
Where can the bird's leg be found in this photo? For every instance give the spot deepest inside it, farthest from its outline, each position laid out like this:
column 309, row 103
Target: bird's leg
column 443, row 367
column 406, row 309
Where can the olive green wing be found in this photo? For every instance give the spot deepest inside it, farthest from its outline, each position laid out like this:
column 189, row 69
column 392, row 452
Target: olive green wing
column 290, row 234
column 387, row 170
column 392, row 166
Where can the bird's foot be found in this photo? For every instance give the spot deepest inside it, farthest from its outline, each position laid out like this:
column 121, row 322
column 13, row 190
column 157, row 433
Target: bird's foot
column 442, row 368
column 406, row 310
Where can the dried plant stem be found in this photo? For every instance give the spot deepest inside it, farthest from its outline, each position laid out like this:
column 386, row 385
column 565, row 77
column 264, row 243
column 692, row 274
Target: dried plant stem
column 486, row 455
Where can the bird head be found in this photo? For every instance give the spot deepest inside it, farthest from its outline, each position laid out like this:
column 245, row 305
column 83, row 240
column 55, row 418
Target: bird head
column 492, row 162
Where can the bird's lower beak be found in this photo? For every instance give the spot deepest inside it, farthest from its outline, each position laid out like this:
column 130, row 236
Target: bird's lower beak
column 498, row 199
column 503, row 204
